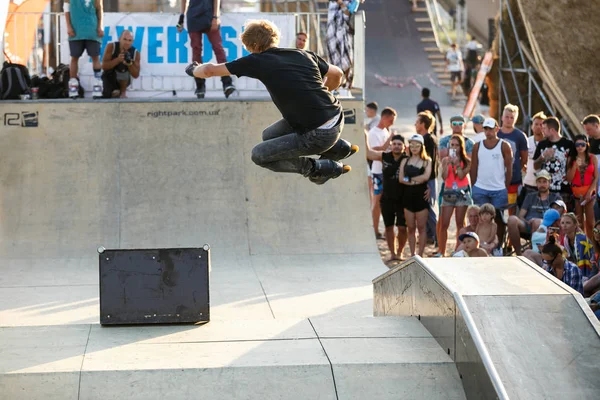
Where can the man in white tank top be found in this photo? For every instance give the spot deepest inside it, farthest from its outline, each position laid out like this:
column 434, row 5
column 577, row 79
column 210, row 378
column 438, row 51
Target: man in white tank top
column 491, row 171
column 491, row 168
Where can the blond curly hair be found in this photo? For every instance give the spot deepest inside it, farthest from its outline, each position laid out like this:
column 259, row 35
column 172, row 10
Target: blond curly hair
column 260, row 35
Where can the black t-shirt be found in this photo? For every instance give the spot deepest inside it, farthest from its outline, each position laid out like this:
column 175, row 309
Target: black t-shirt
column 431, row 147
column 557, row 166
column 429, row 105
column 392, row 189
column 294, row 79
column 595, row 146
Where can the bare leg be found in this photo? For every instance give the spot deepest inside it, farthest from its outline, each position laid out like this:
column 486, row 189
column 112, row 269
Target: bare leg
column 459, row 217
column 123, row 87
column 421, row 218
column 579, row 213
column 74, row 67
column 589, row 219
column 533, row 256
column 447, row 212
column 411, row 227
column 402, row 237
column 376, row 212
column 390, row 237
column 96, row 62
column 515, row 227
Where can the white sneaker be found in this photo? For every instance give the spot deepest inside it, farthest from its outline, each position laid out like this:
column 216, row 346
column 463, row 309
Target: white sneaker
column 73, row 88
column 97, row 90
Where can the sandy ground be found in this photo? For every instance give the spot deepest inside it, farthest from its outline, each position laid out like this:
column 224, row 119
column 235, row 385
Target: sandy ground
column 569, row 53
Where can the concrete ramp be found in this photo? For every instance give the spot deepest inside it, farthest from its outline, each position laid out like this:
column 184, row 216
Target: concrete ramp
column 162, row 174
column 513, row 330
column 292, row 262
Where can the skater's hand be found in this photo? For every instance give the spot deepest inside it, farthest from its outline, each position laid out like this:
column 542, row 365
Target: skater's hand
column 100, row 32
column 215, row 24
column 70, row 32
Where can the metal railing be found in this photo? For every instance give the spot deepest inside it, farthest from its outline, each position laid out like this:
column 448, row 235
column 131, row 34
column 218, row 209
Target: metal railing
column 438, row 25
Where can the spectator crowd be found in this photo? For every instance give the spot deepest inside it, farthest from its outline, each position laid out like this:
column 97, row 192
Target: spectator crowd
column 534, row 196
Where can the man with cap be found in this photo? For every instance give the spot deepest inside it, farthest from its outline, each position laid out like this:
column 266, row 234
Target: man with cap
column 491, row 171
column 532, row 211
column 478, row 128
column 458, row 124
column 559, row 206
column 470, row 246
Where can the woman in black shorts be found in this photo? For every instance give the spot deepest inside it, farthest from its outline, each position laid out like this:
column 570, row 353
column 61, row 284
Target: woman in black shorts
column 414, row 173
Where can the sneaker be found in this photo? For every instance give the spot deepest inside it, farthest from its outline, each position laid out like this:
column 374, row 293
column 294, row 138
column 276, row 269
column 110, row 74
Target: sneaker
column 200, row 92
column 190, row 68
column 325, row 170
column 228, row 90
column 340, row 150
column 73, row 88
column 97, row 89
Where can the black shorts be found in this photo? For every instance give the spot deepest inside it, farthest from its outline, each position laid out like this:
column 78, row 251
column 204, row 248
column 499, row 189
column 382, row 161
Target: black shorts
column 414, row 198
column 455, row 76
column 392, row 212
column 92, row 47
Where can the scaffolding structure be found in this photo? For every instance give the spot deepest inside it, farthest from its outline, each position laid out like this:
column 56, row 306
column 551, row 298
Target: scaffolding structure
column 518, row 66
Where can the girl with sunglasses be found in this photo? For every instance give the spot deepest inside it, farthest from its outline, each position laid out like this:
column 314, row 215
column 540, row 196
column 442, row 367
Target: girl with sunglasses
column 414, row 174
column 582, row 174
column 561, row 268
column 456, row 194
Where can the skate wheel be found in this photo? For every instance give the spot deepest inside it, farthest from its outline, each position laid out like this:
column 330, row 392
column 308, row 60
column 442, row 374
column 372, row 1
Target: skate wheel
column 347, row 168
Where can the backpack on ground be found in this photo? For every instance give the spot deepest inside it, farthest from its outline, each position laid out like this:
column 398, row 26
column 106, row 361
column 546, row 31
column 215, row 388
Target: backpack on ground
column 14, row 81
column 58, row 85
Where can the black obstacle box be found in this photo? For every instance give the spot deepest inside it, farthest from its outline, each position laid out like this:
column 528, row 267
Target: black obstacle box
column 154, row 286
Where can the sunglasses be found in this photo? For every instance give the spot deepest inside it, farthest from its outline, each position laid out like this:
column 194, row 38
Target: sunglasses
column 597, row 231
column 457, row 123
column 580, row 144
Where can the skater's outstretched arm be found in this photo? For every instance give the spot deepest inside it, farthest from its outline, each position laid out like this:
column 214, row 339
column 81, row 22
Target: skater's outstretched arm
column 208, row 70
column 333, row 79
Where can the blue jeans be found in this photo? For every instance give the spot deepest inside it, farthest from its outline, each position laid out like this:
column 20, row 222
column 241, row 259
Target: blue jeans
column 284, row 150
column 498, row 198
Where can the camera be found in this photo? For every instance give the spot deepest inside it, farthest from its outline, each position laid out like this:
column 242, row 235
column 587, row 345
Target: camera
column 127, row 59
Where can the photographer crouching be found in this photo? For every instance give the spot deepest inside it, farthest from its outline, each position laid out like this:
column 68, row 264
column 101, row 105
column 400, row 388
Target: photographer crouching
column 121, row 62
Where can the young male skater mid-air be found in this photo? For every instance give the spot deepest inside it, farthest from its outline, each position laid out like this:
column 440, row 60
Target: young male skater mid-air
column 300, row 84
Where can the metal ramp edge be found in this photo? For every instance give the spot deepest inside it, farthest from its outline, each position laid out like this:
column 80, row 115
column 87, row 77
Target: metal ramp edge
column 444, row 307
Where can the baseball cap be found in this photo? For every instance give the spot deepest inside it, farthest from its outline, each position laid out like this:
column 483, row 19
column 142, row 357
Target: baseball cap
column 478, row 119
column 543, row 174
column 561, row 204
column 470, row 234
column 490, row 123
column 417, row 138
column 458, row 118
column 550, row 217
